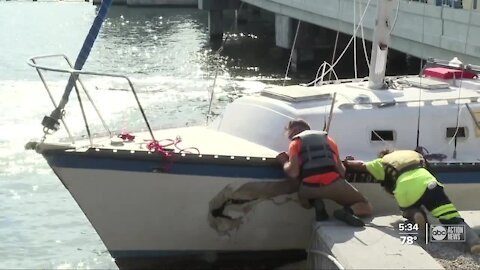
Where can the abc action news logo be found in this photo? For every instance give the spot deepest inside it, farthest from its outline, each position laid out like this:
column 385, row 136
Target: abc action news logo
column 447, row 233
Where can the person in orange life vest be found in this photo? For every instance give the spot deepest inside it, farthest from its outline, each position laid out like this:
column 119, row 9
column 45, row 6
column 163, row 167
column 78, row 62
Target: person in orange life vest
column 313, row 158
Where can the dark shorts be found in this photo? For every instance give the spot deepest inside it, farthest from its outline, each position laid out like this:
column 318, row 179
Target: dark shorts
column 339, row 191
column 431, row 199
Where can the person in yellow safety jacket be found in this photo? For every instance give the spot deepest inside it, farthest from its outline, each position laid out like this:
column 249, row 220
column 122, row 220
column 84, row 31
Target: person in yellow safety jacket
column 313, row 159
column 403, row 174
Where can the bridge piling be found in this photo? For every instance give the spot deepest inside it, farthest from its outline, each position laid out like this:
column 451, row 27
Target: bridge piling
column 215, row 10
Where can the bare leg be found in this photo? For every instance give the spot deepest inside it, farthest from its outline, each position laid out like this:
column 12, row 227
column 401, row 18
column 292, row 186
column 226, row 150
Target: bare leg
column 267, row 190
column 341, row 192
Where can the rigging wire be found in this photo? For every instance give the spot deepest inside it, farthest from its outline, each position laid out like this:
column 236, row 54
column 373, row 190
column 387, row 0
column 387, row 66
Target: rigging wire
column 445, row 148
column 322, row 67
column 334, row 50
column 354, row 39
column 365, row 47
column 347, row 46
column 458, row 112
column 421, row 73
column 419, row 115
column 396, row 16
column 387, row 144
column 333, row 56
column 217, row 60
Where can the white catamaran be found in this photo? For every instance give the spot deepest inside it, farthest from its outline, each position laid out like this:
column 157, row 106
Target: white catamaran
column 227, row 197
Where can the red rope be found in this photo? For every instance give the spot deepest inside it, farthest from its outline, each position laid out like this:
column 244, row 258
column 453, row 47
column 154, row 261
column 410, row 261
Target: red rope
column 160, row 147
column 175, row 143
column 125, row 136
column 155, row 146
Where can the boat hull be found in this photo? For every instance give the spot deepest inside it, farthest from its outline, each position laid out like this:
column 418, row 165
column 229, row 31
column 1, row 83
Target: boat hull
column 200, row 211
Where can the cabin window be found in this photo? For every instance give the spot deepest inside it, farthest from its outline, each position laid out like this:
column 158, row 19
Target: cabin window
column 461, row 133
column 382, row 135
column 474, row 4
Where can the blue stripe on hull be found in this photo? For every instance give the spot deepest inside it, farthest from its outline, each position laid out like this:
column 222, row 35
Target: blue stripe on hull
column 268, row 171
column 201, row 169
column 472, row 177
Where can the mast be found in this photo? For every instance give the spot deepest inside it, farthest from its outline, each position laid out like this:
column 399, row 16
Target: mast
column 50, row 123
column 381, row 42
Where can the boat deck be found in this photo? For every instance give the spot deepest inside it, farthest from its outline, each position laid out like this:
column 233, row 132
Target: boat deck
column 208, row 142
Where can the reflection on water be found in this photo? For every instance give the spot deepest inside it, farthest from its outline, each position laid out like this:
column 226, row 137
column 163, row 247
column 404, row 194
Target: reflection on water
column 170, row 42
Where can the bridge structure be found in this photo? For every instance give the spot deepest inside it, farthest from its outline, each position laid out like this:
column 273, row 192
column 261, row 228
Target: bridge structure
column 427, row 29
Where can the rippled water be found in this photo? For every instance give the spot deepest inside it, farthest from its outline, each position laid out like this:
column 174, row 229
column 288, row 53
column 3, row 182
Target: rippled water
column 166, row 53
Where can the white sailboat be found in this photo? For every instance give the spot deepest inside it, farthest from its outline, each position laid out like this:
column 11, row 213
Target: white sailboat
column 155, row 203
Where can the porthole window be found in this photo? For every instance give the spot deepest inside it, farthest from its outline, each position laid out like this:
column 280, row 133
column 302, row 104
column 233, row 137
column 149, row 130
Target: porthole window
column 461, row 132
column 382, row 135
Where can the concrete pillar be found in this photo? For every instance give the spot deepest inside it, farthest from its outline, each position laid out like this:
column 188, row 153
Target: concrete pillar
column 315, row 37
column 215, row 24
column 309, row 38
column 215, row 10
column 300, row 57
column 241, row 16
column 284, row 31
column 309, row 35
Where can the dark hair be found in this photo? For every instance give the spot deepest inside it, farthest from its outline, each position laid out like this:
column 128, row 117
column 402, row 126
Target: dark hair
column 384, row 152
column 297, row 123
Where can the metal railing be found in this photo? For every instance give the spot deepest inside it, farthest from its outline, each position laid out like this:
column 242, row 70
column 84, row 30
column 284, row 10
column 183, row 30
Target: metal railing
column 80, row 85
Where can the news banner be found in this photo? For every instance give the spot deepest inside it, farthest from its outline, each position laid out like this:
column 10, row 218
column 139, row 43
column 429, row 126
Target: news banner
column 410, row 233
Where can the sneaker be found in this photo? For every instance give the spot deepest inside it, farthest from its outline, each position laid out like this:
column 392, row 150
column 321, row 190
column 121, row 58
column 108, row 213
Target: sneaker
column 420, row 219
column 350, row 219
column 416, row 216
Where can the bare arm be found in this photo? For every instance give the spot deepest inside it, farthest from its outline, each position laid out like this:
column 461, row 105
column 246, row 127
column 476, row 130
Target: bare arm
column 356, row 165
column 341, row 167
column 290, row 164
column 292, row 167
